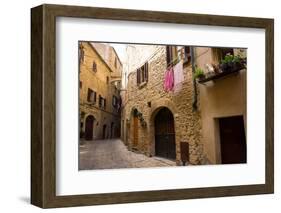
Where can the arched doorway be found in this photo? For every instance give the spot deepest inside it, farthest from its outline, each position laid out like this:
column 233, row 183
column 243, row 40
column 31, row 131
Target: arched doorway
column 135, row 129
column 165, row 145
column 112, row 130
column 89, row 128
column 104, row 131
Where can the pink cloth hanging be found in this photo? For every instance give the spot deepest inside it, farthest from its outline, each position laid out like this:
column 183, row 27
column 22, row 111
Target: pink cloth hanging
column 169, row 80
column 178, row 77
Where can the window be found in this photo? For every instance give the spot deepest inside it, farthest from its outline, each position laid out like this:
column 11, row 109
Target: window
column 80, row 84
column 94, row 66
column 220, row 53
column 92, row 95
column 226, row 51
column 107, row 79
column 171, row 54
column 187, row 54
column 142, row 74
column 114, row 101
column 102, row 102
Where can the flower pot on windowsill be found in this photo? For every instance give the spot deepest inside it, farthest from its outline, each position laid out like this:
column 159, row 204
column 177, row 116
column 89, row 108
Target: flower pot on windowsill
column 225, row 67
column 237, row 66
column 201, row 77
column 199, row 74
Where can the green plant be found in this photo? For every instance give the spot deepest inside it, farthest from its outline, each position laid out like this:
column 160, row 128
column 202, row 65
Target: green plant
column 231, row 58
column 237, row 59
column 199, row 73
column 228, row 58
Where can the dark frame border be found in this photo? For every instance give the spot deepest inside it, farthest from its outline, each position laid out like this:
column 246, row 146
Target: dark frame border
column 43, row 105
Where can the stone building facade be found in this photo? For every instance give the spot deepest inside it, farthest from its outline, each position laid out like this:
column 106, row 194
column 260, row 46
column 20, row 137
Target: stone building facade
column 190, row 112
column 99, row 104
column 149, row 98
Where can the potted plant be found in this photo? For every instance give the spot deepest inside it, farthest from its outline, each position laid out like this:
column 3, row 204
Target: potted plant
column 199, row 74
column 237, row 62
column 230, row 63
column 227, row 63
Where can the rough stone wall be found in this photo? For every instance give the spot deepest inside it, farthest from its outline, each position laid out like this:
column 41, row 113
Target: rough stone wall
column 187, row 121
column 97, row 81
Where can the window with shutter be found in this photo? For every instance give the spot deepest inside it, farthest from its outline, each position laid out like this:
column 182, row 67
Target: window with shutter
column 91, row 96
column 220, row 53
column 94, row 66
column 114, row 101
column 100, row 101
column 187, row 55
column 146, row 72
column 169, row 54
column 142, row 74
column 138, row 76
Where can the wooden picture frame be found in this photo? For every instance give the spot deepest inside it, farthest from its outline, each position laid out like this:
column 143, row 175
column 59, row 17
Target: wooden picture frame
column 43, row 105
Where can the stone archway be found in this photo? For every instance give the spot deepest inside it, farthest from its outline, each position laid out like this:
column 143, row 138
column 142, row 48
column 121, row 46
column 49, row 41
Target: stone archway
column 155, row 108
column 164, row 134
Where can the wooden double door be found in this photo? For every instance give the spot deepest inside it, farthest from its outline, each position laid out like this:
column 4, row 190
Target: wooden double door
column 165, row 145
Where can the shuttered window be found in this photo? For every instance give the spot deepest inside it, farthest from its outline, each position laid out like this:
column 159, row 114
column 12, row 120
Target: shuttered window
column 220, row 53
column 142, row 74
column 114, row 101
column 102, row 102
column 187, row 54
column 169, row 54
column 92, row 96
column 94, row 66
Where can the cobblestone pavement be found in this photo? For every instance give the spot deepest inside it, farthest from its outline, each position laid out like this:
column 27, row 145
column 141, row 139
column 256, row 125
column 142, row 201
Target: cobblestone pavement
column 113, row 154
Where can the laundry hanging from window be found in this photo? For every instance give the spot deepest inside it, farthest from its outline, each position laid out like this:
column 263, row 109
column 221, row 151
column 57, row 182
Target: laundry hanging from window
column 175, row 57
column 178, row 77
column 169, row 79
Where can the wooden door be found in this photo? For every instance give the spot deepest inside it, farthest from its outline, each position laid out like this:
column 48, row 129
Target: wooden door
column 104, row 131
column 89, row 128
column 233, row 140
column 112, row 130
column 136, row 131
column 165, row 145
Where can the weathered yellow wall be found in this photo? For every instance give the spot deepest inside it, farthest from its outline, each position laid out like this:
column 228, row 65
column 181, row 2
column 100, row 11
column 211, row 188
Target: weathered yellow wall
column 222, row 98
column 97, row 82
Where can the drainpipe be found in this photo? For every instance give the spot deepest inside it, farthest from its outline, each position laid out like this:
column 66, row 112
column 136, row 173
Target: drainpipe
column 194, row 103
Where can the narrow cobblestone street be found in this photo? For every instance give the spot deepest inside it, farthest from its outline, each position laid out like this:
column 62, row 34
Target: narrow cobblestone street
column 113, row 154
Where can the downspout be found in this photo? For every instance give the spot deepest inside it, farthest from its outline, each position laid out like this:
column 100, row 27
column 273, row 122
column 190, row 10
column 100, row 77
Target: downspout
column 194, row 103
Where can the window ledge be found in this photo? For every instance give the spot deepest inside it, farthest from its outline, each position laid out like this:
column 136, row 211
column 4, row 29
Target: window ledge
column 141, row 85
column 219, row 76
